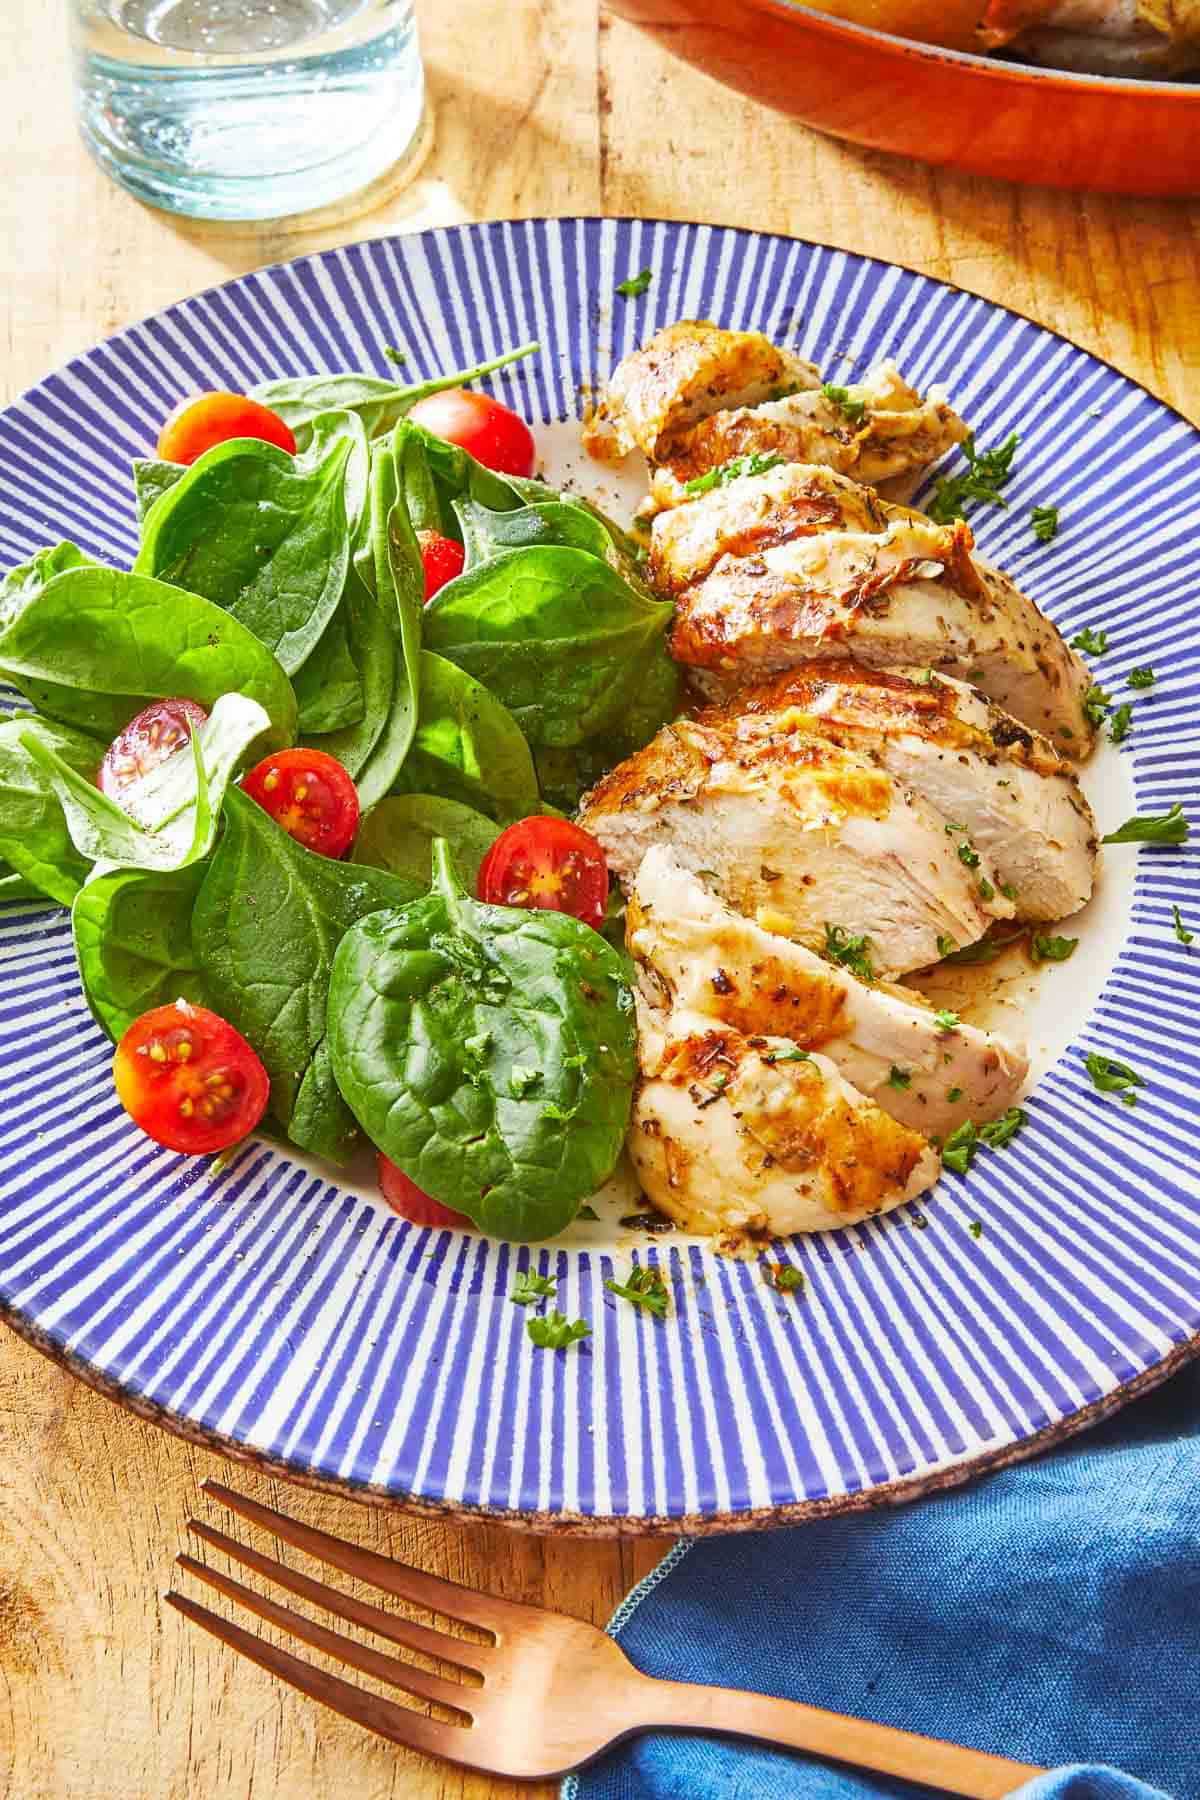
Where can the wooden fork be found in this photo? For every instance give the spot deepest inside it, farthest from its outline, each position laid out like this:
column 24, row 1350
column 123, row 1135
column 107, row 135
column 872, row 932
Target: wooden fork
column 555, row 1692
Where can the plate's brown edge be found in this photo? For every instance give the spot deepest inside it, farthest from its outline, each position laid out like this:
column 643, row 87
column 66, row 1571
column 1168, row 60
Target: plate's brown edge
column 610, row 1525
column 583, row 1525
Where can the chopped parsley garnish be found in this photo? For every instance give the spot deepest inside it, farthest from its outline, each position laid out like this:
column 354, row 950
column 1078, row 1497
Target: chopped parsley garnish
column 633, row 285
column 1109, row 1076
column 1121, row 722
column 968, row 854
column 986, row 890
column 946, row 945
column 987, row 472
column 756, row 463
column 1095, row 706
column 954, row 1094
column 550, row 1331
column 1151, row 828
column 976, row 1229
column 848, row 952
column 987, row 949
column 946, row 1021
column 1051, row 949
column 922, row 678
column 900, row 1078
column 1181, row 931
column 1044, row 520
column 1141, row 677
column 587, row 1212
column 397, row 358
column 959, row 1147
column 713, row 1092
column 1092, row 643
column 1008, row 890
column 788, row 1053
column 532, row 1287
column 645, row 1287
column 844, row 401
column 1003, row 1130
column 785, row 1278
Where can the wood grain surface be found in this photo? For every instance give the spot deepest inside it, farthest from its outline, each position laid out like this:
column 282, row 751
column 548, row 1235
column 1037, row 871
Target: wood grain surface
column 541, row 106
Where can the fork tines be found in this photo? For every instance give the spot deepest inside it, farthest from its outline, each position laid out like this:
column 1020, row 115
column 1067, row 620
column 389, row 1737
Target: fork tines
column 398, row 1723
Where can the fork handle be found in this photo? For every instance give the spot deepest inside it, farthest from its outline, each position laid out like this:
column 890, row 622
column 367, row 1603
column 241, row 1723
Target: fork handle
column 881, row 1748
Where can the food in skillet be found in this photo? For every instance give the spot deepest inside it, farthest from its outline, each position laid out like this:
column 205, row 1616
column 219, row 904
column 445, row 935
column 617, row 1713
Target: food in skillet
column 301, row 775
column 1132, row 38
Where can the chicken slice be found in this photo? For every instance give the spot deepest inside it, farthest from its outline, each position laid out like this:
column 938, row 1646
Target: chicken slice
column 802, row 833
column 694, row 955
column 732, row 1142
column 1017, row 800
column 876, row 430
column 761, row 583
column 686, row 372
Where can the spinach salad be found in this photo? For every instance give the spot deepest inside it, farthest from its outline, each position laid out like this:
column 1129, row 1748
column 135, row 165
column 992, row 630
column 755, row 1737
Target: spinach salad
column 301, row 775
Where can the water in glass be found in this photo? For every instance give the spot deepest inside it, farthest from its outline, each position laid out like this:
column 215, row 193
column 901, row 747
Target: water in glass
column 246, row 109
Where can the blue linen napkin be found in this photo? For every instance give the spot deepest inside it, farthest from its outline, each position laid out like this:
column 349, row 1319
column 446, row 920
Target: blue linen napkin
column 1050, row 1612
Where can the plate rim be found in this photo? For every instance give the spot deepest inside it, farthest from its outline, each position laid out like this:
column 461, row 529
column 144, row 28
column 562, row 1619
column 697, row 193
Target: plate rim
column 608, row 1526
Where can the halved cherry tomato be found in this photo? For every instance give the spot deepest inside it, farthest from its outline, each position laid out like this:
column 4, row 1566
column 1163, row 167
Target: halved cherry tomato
column 310, row 794
column 203, row 420
column 548, row 863
column 406, row 1198
column 489, row 431
column 157, row 732
column 189, row 1079
column 441, row 558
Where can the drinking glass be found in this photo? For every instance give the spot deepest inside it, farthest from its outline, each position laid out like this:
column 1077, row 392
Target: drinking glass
column 246, row 109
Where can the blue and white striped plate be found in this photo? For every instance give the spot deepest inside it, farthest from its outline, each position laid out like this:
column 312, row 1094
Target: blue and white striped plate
column 300, row 1324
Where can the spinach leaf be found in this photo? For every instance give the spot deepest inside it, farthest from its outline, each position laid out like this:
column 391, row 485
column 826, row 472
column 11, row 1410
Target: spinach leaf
column 16, row 887
column 133, row 940
column 394, row 571
column 169, row 817
column 457, row 475
column 260, row 533
column 378, row 401
column 151, row 479
column 468, row 747
column 267, row 921
column 487, row 1050
column 329, row 688
column 328, row 429
column 374, row 651
column 27, row 579
column 486, row 533
column 399, row 835
column 555, row 634
column 95, row 645
column 34, row 840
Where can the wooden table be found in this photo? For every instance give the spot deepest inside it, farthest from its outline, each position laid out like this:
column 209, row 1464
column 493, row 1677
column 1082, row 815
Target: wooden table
column 542, row 106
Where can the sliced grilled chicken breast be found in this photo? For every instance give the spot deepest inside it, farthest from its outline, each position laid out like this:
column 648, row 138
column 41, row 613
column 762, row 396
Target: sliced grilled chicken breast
column 1018, row 801
column 695, row 955
column 729, row 1140
column 684, row 373
column 801, row 833
column 762, row 581
column 875, row 430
